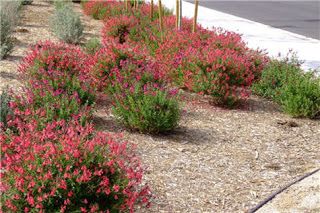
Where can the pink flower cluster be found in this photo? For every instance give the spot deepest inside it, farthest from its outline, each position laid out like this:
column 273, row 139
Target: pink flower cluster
column 68, row 167
column 52, row 159
column 214, row 62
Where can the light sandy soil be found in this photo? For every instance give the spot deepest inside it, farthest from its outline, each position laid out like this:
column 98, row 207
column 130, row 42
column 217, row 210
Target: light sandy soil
column 301, row 197
column 217, row 160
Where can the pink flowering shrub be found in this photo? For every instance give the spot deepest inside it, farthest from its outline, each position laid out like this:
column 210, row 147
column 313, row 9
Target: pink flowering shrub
column 118, row 29
column 62, row 67
column 137, row 87
column 120, row 63
column 103, row 9
column 213, row 63
column 69, row 168
column 43, row 105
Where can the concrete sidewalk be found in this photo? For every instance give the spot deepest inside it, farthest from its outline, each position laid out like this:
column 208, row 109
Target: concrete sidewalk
column 303, row 196
column 257, row 35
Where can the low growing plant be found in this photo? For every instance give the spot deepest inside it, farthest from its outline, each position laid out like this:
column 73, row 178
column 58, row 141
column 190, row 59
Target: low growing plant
column 300, row 96
column 275, row 75
column 92, row 46
column 153, row 112
column 66, row 24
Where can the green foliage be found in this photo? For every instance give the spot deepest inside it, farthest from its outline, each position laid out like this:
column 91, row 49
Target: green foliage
column 66, row 24
column 4, row 108
column 148, row 113
column 300, row 96
column 275, row 75
column 92, row 46
column 26, row 2
column 285, row 82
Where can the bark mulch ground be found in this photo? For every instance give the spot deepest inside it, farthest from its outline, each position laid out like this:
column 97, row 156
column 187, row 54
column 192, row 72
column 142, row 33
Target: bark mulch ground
column 217, row 160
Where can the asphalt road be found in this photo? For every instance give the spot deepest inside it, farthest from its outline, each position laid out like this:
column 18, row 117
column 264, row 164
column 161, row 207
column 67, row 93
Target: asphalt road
column 301, row 17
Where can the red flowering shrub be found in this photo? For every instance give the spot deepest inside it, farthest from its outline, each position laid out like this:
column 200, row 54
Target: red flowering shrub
column 137, row 87
column 216, row 63
column 61, row 66
column 119, row 63
column 69, row 168
column 43, row 105
column 118, row 29
column 99, row 9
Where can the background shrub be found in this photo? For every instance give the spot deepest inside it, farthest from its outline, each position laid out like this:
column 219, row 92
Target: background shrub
column 69, row 168
column 9, row 17
column 275, row 75
column 92, row 46
column 66, row 24
column 285, row 82
column 103, row 9
column 5, row 109
column 300, row 96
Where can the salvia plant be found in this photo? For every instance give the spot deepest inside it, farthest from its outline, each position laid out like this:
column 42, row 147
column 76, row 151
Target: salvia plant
column 69, row 168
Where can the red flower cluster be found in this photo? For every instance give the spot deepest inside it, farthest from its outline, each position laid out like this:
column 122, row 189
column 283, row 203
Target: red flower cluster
column 69, row 167
column 116, row 30
column 60, row 68
column 100, row 9
column 119, row 64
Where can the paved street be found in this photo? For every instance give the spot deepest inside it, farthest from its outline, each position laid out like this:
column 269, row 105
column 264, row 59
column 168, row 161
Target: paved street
column 301, row 17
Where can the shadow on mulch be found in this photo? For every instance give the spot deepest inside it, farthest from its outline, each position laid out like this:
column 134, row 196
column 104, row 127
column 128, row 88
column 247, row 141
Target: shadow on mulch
column 13, row 58
column 33, row 26
column 38, row 5
column 257, row 104
column 107, row 124
column 7, row 75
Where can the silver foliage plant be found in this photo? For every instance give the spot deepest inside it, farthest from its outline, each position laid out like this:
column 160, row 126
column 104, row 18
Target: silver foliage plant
column 66, row 24
column 8, row 18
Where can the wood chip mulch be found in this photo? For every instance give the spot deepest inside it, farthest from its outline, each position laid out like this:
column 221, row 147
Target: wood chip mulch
column 217, row 160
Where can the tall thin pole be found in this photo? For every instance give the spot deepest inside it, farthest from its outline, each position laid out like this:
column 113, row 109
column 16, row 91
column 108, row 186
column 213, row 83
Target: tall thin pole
column 160, row 20
column 194, row 28
column 177, row 14
column 180, row 15
column 151, row 9
column 126, row 3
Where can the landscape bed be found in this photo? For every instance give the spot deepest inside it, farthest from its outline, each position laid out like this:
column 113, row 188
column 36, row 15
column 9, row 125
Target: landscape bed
column 217, row 158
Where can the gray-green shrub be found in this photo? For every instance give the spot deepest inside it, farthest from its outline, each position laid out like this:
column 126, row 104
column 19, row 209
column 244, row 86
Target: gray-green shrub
column 8, row 19
column 4, row 108
column 66, row 24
